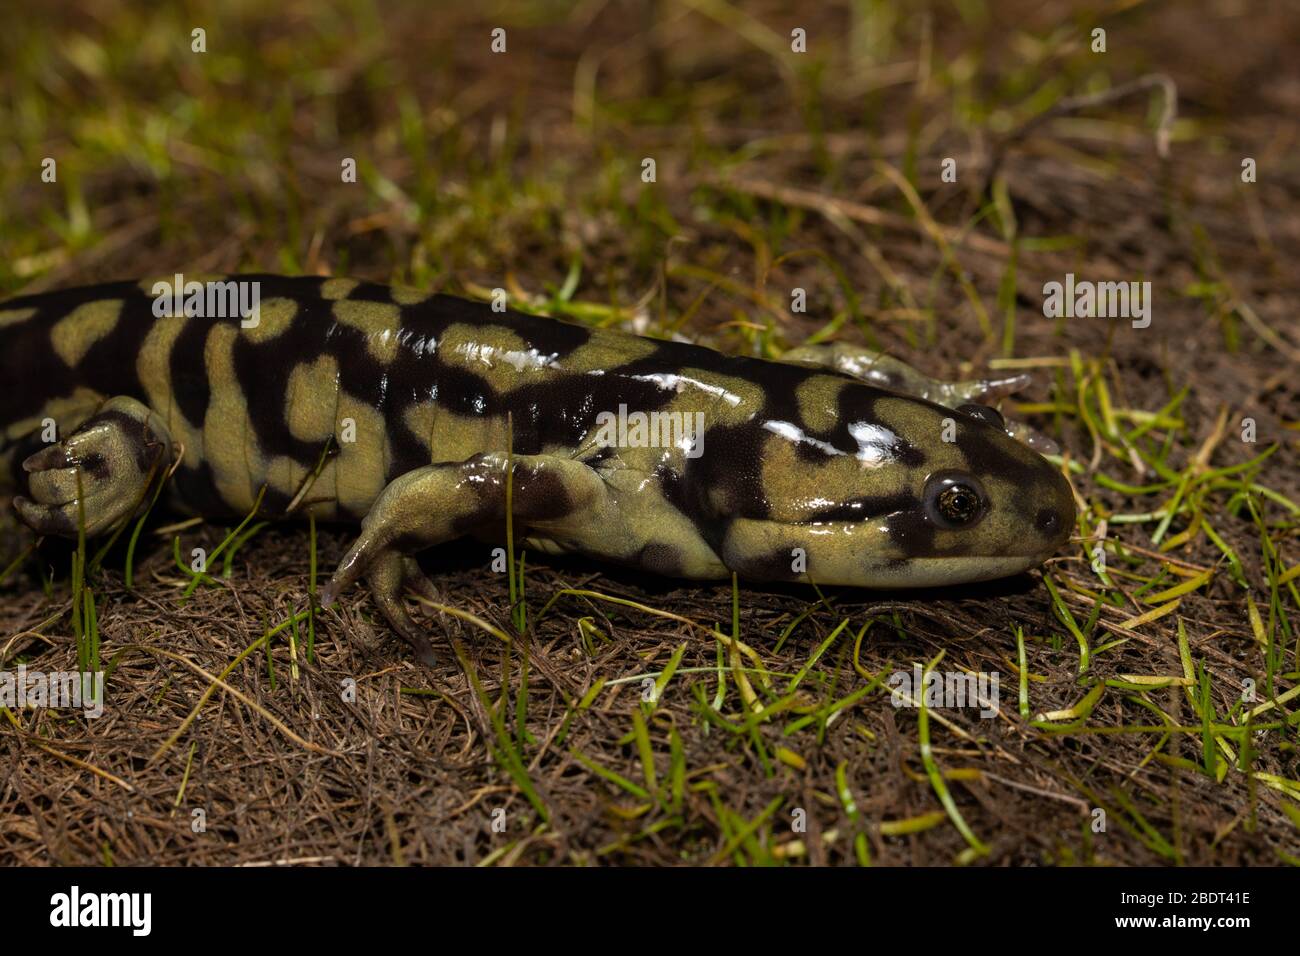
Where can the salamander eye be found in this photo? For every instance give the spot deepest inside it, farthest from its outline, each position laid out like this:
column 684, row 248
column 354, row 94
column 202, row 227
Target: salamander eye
column 954, row 499
column 984, row 413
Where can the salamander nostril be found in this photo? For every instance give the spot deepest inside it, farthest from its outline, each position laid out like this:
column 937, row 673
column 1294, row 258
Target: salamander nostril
column 1047, row 521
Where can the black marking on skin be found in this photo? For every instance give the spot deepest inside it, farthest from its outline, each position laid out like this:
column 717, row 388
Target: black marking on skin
column 781, row 397
column 54, row 305
column 559, row 410
column 660, row 557
column 274, row 502
column 109, row 365
column 731, row 469
column 31, row 372
column 563, row 409
column 430, row 319
column 811, row 454
column 189, row 374
column 266, row 396
column 673, row 488
column 486, row 493
column 855, row 403
column 409, row 451
column 56, row 522
column 907, row 454
column 687, row 497
column 96, row 466
column 988, row 451
column 599, row 457
column 780, row 383
column 473, row 522
column 539, row 494
column 914, row 534
column 667, row 356
column 371, row 292
column 858, row 404
column 774, row 565
column 136, row 433
column 547, row 336
column 197, row 490
column 361, row 375
column 270, row 286
column 465, row 393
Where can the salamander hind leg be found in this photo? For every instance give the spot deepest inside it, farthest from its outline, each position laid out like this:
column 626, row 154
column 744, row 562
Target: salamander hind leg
column 98, row 475
column 441, row 502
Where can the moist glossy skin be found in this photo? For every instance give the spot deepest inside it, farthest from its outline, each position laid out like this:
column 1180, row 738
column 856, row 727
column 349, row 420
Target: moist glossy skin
column 803, row 474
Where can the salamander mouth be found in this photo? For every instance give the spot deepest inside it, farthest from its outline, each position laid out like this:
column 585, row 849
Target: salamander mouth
column 954, row 570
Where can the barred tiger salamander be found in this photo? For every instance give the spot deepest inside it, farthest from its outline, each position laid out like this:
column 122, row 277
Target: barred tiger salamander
column 403, row 411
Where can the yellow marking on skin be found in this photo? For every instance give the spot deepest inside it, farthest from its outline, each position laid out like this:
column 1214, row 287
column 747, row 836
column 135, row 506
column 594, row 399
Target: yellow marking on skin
column 494, row 353
column 74, row 334
column 843, row 553
column 605, row 350
column 274, row 316
column 320, row 498
column 153, row 367
column 360, row 465
column 68, row 412
column 924, row 426
column 285, row 475
column 14, row 316
column 699, row 400
column 645, row 517
column 310, row 399
column 797, row 489
column 228, row 443
column 453, row 437
column 379, row 322
column 818, row 399
column 724, row 399
column 405, row 295
column 334, row 289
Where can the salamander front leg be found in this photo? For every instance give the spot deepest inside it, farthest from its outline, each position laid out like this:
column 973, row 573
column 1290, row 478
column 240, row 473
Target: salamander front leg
column 884, row 371
column 100, row 473
column 438, row 503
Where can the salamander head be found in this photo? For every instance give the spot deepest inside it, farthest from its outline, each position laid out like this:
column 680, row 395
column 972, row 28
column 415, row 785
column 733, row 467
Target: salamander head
column 928, row 497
